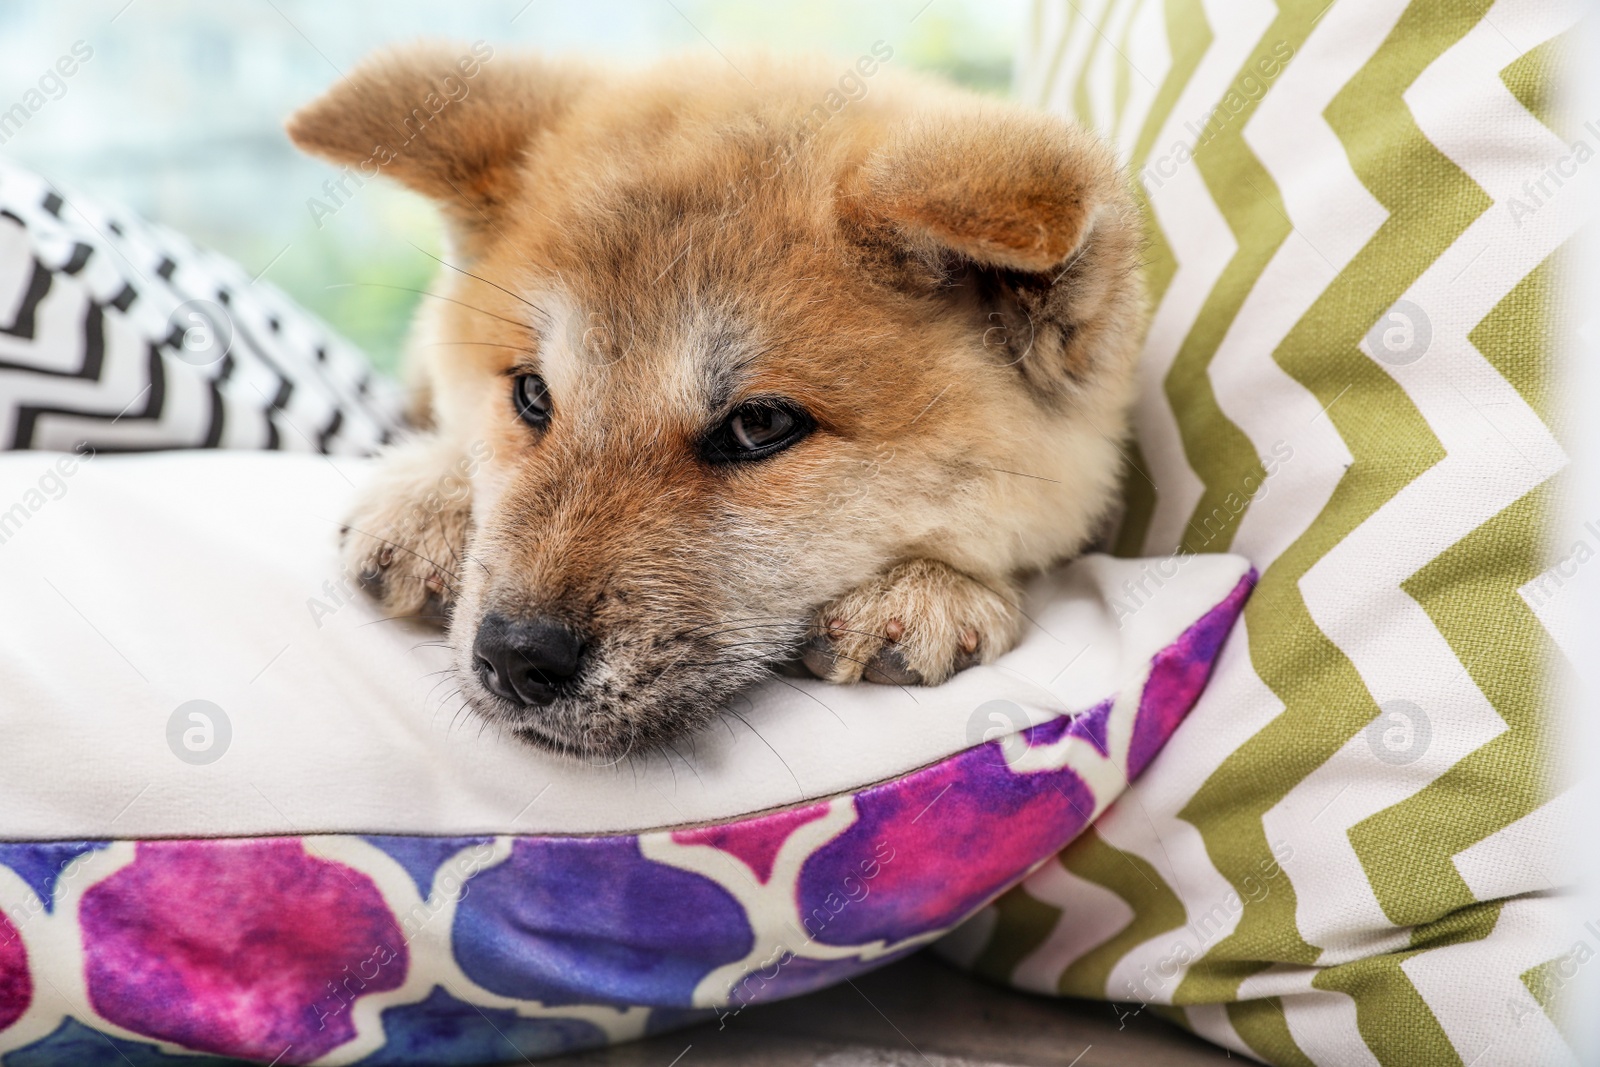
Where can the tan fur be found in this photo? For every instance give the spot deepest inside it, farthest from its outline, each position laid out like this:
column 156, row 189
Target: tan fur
column 946, row 284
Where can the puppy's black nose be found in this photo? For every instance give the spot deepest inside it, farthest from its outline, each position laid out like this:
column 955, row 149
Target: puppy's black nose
column 525, row 660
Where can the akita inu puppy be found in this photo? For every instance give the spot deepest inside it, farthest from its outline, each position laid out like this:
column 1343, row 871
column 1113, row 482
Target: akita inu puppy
column 747, row 367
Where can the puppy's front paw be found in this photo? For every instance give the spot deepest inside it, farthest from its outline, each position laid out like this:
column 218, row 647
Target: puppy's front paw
column 916, row 625
column 403, row 559
column 407, row 535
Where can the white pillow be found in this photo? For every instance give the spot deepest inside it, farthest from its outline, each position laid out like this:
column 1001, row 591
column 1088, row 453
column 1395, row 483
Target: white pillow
column 203, row 721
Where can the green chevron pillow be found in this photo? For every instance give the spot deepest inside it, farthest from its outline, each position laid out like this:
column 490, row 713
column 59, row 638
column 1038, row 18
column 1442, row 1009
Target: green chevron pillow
column 1357, row 220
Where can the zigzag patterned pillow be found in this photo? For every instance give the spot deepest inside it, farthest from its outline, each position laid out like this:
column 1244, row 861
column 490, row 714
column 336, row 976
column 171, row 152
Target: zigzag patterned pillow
column 120, row 335
column 1358, row 215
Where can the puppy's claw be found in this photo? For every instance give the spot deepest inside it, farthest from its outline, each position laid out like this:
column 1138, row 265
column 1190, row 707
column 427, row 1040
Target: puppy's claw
column 793, row 668
column 371, row 581
column 889, row 667
column 818, row 657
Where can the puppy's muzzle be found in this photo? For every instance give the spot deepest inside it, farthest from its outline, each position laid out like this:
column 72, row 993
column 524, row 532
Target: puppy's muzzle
column 525, row 661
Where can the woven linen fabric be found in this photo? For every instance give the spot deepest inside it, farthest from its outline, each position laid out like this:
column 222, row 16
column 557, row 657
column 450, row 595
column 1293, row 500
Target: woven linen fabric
column 1358, row 213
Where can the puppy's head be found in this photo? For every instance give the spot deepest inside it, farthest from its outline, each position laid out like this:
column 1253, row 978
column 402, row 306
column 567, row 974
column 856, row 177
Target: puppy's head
column 736, row 348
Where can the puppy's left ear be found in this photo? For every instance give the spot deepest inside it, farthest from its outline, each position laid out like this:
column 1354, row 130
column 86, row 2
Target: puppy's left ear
column 1020, row 215
column 452, row 122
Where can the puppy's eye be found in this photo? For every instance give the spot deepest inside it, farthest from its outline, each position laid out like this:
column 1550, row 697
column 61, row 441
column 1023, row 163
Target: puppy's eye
column 756, row 430
column 531, row 398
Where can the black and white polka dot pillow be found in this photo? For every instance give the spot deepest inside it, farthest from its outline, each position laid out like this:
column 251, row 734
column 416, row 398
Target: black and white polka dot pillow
column 121, row 335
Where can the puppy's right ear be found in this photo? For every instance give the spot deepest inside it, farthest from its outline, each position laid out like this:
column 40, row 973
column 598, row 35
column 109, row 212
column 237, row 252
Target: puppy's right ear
column 449, row 121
